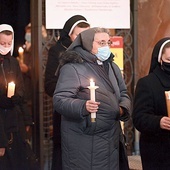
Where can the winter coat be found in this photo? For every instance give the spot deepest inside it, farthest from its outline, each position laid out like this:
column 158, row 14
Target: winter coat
column 149, row 108
column 87, row 145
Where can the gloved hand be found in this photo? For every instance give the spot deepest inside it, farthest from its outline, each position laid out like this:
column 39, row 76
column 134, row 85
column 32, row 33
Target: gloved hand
column 16, row 99
column 6, row 102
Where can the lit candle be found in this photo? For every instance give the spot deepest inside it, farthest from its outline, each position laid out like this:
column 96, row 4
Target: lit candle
column 167, row 96
column 21, row 56
column 92, row 88
column 11, row 89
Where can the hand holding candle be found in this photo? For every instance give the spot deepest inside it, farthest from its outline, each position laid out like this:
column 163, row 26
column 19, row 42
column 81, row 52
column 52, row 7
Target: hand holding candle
column 167, row 96
column 92, row 88
column 11, row 89
column 21, row 54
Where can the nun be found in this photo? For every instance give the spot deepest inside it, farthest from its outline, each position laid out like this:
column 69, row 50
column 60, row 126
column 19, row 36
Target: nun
column 150, row 112
column 12, row 145
column 72, row 27
column 91, row 143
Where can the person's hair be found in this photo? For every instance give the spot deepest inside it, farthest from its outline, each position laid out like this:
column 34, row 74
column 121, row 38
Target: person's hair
column 6, row 32
column 165, row 47
column 101, row 30
column 83, row 25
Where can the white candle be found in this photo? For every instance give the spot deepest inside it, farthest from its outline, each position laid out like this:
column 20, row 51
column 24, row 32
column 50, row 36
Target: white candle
column 137, row 137
column 122, row 126
column 92, row 88
column 21, row 56
column 11, row 89
column 167, row 96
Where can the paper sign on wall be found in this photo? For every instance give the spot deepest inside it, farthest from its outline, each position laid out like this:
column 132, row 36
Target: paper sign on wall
column 99, row 13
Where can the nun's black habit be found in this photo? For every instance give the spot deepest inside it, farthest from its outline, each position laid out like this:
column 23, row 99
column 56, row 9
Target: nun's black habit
column 54, row 55
column 149, row 108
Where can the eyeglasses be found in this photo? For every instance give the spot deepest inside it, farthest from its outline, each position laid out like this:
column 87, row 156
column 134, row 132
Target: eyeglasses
column 104, row 43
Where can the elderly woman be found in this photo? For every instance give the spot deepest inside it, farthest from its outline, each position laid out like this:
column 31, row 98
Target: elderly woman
column 150, row 115
column 86, row 144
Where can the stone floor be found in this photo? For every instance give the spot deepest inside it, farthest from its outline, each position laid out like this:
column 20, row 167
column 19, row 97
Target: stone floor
column 135, row 162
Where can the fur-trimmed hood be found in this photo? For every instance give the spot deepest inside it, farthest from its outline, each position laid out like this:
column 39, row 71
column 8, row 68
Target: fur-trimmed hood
column 68, row 57
column 79, row 56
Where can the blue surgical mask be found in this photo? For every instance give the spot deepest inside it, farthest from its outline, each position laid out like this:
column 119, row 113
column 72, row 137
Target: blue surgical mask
column 28, row 37
column 103, row 53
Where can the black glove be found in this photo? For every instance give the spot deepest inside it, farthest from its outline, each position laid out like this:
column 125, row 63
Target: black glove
column 16, row 99
column 6, row 102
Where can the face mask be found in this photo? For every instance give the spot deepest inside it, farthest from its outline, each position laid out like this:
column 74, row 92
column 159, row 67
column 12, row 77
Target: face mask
column 4, row 50
column 28, row 37
column 166, row 67
column 103, row 53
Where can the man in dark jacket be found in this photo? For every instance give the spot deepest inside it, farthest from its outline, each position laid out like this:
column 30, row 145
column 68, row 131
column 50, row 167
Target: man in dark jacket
column 71, row 29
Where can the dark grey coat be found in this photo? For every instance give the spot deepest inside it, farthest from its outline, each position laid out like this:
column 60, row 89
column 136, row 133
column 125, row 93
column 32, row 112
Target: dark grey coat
column 87, row 145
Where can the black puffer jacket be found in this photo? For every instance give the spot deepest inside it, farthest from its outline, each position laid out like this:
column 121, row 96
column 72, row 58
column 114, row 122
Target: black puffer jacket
column 97, row 143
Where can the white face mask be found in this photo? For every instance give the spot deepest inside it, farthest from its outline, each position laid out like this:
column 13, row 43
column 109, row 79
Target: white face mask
column 5, row 50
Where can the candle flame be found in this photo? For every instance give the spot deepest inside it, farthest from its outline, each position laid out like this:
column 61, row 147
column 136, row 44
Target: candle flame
column 12, row 83
column 91, row 80
column 20, row 50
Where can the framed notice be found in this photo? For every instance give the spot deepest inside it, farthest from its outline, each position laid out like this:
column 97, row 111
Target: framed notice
column 111, row 14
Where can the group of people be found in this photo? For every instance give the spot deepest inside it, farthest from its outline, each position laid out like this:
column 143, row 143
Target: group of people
column 81, row 54
column 100, row 145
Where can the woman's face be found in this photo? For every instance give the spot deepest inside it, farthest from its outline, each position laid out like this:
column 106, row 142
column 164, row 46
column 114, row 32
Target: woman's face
column 100, row 40
column 5, row 40
column 166, row 55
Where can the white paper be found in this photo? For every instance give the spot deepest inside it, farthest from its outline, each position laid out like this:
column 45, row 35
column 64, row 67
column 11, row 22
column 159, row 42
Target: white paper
column 112, row 14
